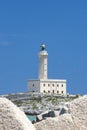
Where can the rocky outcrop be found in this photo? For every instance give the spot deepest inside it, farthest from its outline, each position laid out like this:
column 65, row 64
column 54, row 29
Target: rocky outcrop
column 62, row 109
column 74, row 119
column 37, row 103
column 45, row 115
column 11, row 118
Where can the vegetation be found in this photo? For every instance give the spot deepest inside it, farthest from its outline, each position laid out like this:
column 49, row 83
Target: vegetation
column 39, row 101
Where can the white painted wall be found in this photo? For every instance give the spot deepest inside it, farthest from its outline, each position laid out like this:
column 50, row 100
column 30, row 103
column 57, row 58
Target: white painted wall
column 33, row 86
column 58, row 87
column 47, row 86
column 43, row 64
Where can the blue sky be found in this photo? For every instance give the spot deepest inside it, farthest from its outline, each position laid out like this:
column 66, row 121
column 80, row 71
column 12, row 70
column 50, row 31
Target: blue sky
column 61, row 25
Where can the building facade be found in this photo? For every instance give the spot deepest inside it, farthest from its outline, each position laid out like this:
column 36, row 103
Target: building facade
column 43, row 84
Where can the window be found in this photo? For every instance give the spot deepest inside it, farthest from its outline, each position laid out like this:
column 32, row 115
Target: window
column 44, row 91
column 48, row 91
column 57, row 85
column 62, row 85
column 48, row 84
column 53, row 91
column 62, row 92
column 53, row 85
column 33, row 85
column 43, row 84
column 57, row 91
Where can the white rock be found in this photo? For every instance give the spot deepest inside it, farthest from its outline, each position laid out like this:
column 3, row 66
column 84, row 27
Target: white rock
column 78, row 110
column 76, row 120
column 11, row 118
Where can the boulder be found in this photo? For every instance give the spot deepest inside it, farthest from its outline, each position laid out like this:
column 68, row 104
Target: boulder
column 42, row 116
column 76, row 119
column 45, row 115
column 56, row 112
column 64, row 108
column 12, row 118
column 39, row 118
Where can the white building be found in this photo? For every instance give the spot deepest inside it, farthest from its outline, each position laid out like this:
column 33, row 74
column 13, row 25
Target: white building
column 43, row 84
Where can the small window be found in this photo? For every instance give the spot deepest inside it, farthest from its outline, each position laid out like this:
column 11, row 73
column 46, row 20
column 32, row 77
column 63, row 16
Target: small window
column 33, row 85
column 48, row 84
column 62, row 92
column 57, row 91
column 48, row 91
column 52, row 84
column 43, row 84
column 44, row 91
column 57, row 85
column 62, row 85
column 53, row 91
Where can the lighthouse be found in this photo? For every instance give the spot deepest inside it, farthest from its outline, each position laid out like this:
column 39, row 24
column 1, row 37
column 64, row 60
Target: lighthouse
column 42, row 84
column 43, row 58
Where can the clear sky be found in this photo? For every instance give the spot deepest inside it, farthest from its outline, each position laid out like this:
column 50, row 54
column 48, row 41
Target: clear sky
column 61, row 25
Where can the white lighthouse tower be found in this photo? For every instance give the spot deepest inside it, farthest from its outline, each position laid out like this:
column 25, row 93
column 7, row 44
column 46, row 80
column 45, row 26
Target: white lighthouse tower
column 43, row 55
column 43, row 84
